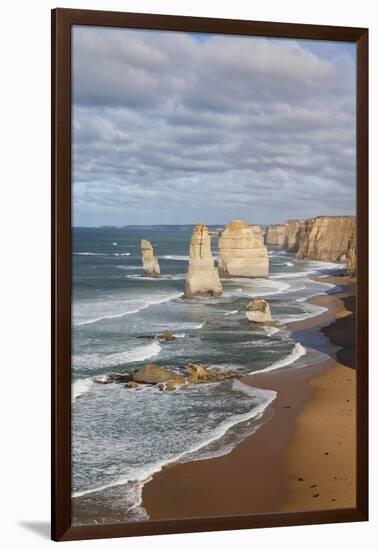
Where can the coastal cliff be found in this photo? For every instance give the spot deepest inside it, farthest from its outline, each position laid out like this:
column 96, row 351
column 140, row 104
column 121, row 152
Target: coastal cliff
column 291, row 241
column 202, row 277
column 242, row 252
column 150, row 263
column 351, row 259
column 275, row 234
column 325, row 238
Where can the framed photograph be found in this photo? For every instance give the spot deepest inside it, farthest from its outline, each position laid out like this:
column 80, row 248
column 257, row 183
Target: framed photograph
column 209, row 274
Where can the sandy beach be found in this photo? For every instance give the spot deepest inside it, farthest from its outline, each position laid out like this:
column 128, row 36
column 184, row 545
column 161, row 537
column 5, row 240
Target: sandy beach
column 301, row 458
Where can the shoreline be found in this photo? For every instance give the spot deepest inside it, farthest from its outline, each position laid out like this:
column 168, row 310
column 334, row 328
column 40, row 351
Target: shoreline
column 258, row 475
column 247, row 480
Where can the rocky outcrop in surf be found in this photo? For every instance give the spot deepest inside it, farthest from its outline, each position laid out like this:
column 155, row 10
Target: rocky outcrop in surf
column 242, row 252
column 275, row 234
column 150, row 262
column 258, row 311
column 167, row 380
column 202, row 278
column 153, row 374
column 325, row 238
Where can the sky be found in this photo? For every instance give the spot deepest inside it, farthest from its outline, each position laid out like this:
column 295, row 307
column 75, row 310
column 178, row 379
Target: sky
column 182, row 128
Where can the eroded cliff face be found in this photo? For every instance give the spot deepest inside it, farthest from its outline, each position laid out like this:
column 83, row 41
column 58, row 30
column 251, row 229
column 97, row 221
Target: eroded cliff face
column 291, row 241
column 275, row 234
column 150, row 262
column 202, row 277
column 325, row 238
column 351, row 258
column 242, row 252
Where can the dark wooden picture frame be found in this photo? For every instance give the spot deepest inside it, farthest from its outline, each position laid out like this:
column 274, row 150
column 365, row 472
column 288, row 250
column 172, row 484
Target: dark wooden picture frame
column 62, row 22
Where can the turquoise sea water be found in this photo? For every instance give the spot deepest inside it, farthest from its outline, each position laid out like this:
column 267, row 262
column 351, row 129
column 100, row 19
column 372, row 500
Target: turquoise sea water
column 120, row 437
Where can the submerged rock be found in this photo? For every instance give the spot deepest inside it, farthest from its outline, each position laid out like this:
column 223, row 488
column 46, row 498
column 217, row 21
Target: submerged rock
column 242, row 252
column 167, row 386
column 132, row 384
column 150, row 263
column 202, row 278
column 102, row 379
column 258, row 311
column 119, row 378
column 199, row 374
column 167, row 336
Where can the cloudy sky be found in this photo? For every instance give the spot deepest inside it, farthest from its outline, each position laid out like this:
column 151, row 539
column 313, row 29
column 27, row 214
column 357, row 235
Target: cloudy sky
column 173, row 128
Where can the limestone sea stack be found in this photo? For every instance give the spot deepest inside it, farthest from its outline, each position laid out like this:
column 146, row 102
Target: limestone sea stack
column 325, row 238
column 242, row 252
column 150, row 262
column 258, row 311
column 202, row 278
column 275, row 234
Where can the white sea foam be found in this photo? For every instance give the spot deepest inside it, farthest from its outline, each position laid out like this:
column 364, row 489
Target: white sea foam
column 144, row 474
column 161, row 278
column 311, row 310
column 177, row 257
column 290, row 264
column 89, row 254
column 295, row 275
column 79, row 387
column 271, row 330
column 97, row 360
column 130, row 311
column 132, row 267
column 231, row 312
column 197, row 326
column 297, row 352
column 180, row 335
column 115, row 244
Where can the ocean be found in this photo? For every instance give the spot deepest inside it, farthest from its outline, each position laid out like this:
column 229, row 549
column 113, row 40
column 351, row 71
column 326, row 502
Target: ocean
column 121, row 437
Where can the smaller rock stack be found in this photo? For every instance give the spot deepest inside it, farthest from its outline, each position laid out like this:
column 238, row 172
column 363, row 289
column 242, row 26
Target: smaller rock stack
column 150, row 262
column 258, row 311
column 202, row 277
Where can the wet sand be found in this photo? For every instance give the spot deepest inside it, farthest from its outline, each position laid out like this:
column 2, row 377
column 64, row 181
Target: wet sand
column 312, row 415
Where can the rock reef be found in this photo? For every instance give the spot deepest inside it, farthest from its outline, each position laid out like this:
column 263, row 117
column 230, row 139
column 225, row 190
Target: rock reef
column 153, row 374
column 150, row 262
column 275, row 234
column 242, row 252
column 167, row 380
column 202, row 278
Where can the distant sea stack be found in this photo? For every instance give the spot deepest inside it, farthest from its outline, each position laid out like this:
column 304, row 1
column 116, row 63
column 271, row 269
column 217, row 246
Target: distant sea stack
column 291, row 241
column 275, row 234
column 242, row 252
column 150, row 263
column 202, row 278
column 326, row 238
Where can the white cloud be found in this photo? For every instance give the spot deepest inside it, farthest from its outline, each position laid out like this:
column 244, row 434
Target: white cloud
column 168, row 126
